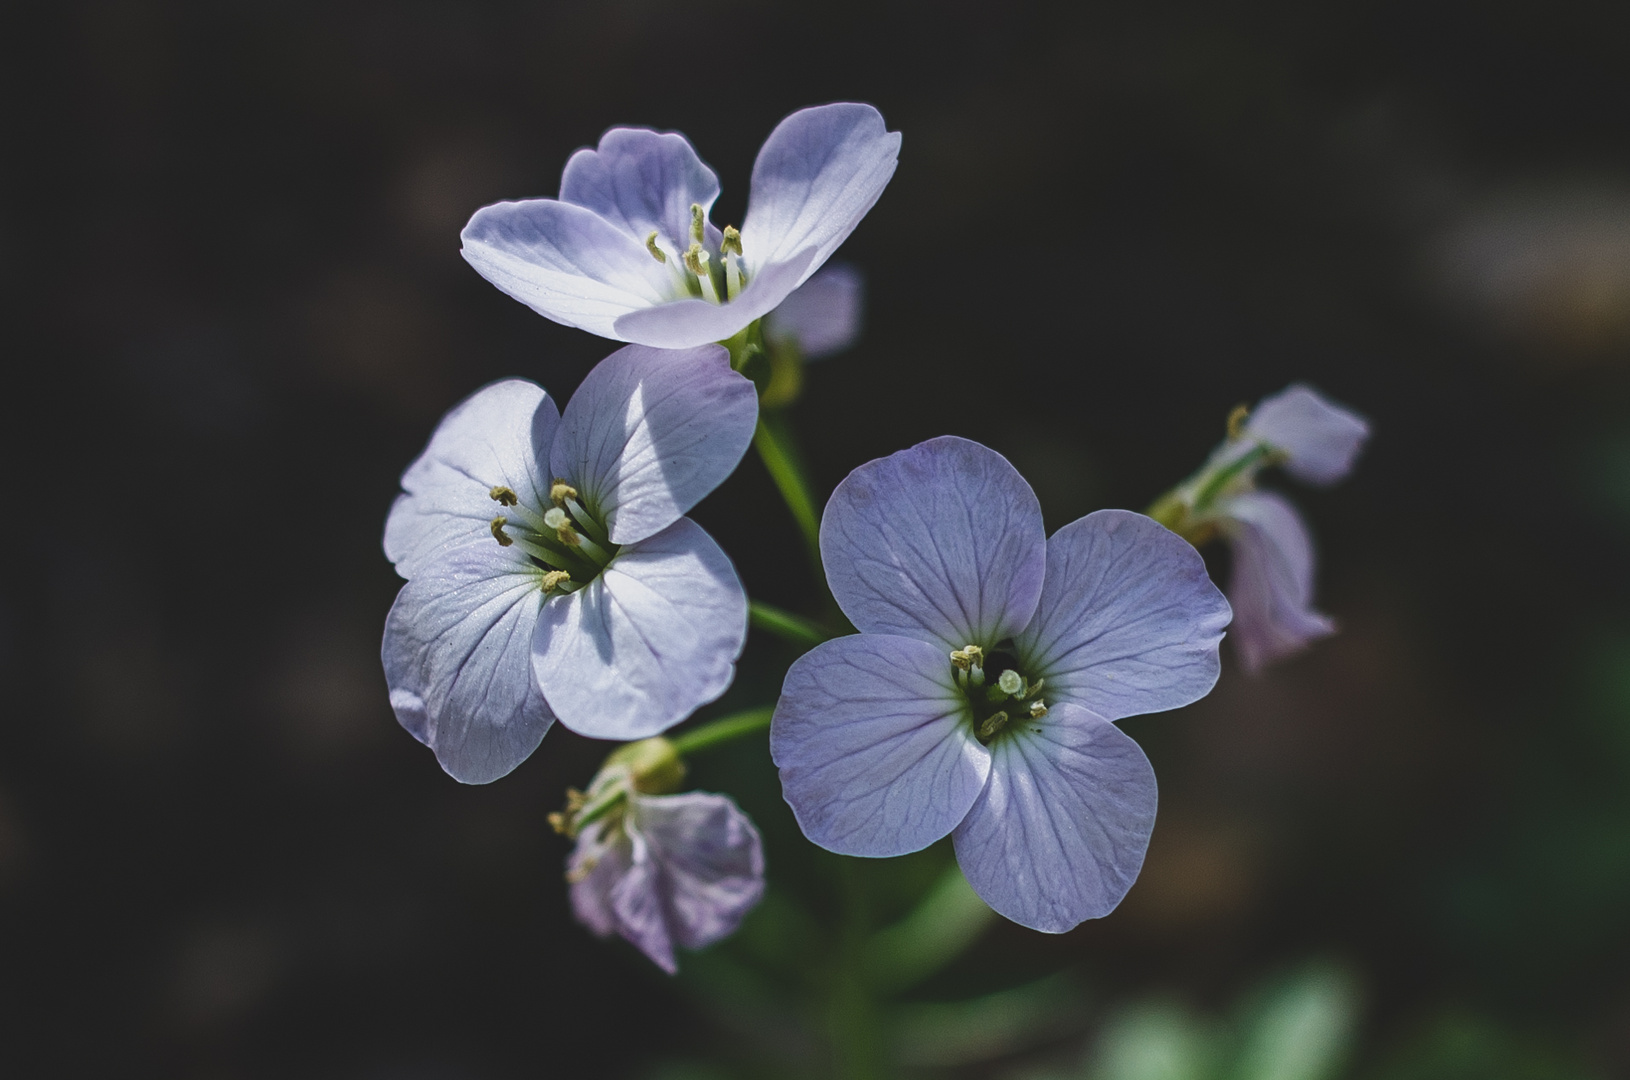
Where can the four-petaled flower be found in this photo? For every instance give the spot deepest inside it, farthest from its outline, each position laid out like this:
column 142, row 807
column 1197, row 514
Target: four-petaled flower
column 628, row 252
column 1271, row 584
column 550, row 569
column 978, row 698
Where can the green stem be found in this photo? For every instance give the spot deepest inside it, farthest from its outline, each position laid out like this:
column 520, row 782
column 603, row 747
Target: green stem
column 725, row 729
column 784, row 624
column 774, row 445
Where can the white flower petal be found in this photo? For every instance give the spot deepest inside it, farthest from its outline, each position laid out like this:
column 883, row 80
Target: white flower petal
column 822, row 316
column 642, row 181
column 1320, row 438
column 650, row 432
column 1271, row 586
column 683, row 324
column 1059, row 833
column 653, row 637
column 711, row 860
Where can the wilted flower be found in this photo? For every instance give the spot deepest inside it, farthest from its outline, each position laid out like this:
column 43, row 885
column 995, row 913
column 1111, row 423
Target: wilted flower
column 659, row 870
column 1271, row 587
column 978, row 698
column 628, row 252
column 551, row 572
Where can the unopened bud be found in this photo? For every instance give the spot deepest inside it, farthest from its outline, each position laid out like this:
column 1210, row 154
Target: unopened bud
column 653, row 765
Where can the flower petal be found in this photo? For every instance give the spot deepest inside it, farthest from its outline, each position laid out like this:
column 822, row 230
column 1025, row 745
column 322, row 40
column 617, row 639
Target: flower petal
column 457, row 657
column 686, row 323
column 642, row 181
column 565, row 262
column 822, row 316
column 711, row 863
column 643, row 645
column 817, row 174
column 1129, row 622
column 1058, row 835
column 650, row 432
column 942, row 542
column 1271, row 586
column 876, row 751
column 601, row 858
column 501, row 434
column 1321, row 438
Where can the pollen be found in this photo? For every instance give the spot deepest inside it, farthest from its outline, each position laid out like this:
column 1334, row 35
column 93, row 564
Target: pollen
column 560, row 491
column 554, row 579
column 968, row 656
column 996, row 722
column 498, row 533
column 651, row 246
column 503, row 495
column 697, row 217
column 1038, row 709
column 696, row 260
column 1236, row 421
column 731, row 242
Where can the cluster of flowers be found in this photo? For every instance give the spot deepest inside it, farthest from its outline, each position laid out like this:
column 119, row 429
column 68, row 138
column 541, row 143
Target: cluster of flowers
column 551, row 572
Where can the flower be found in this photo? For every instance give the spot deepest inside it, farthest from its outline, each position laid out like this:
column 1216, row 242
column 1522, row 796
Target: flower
column 1271, row 585
column 550, row 570
column 977, row 698
column 628, row 252
column 660, row 870
column 822, row 316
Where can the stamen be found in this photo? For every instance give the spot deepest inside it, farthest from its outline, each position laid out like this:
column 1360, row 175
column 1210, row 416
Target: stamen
column 503, row 495
column 968, row 656
column 1236, row 421
column 651, row 246
column 731, row 241
column 1038, row 709
column 554, row 579
column 696, row 261
column 732, row 276
column 560, row 491
column 582, row 870
column 995, row 723
column 586, row 522
column 498, row 533
column 697, row 217
column 1011, row 682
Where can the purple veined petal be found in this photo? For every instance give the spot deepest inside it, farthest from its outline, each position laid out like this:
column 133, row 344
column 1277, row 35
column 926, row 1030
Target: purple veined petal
column 1059, row 834
column 875, row 747
column 1321, row 438
column 650, row 432
column 822, row 316
column 683, row 324
column 636, row 904
column 943, row 542
column 816, row 176
column 565, row 262
column 711, row 863
column 1129, row 621
column 643, row 645
column 643, row 181
column 1271, row 586
column 501, row 434
column 457, row 657
column 601, row 858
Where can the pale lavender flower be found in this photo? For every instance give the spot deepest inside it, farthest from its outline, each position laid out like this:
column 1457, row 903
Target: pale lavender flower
column 978, row 699
column 823, row 315
column 551, row 570
column 667, row 870
column 1271, row 586
column 628, row 252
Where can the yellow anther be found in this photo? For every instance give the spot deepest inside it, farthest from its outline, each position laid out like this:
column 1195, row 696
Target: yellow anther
column 995, row 723
column 731, row 242
column 1236, row 421
column 1038, row 709
column 560, row 491
column 581, row 871
column 503, row 496
column 498, row 533
column 557, row 821
column 651, row 246
column 697, row 217
column 696, row 260
column 554, row 579
column 968, row 656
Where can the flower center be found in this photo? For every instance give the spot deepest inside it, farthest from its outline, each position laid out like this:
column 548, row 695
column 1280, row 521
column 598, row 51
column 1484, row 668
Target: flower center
column 715, row 276
column 570, row 545
column 996, row 705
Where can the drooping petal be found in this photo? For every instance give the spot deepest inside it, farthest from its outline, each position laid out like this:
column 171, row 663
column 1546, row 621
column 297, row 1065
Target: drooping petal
column 1129, row 621
column 1058, row 835
column 710, row 861
column 642, row 181
column 601, row 858
column 650, row 432
column 457, row 656
column 943, row 542
column 822, row 316
column 565, row 262
column 1321, row 438
column 1271, row 587
column 876, row 752
column 643, row 645
column 817, row 174
column 683, row 324
column 500, row 435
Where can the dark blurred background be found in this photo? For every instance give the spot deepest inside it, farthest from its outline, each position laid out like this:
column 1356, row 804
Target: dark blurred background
column 229, row 254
